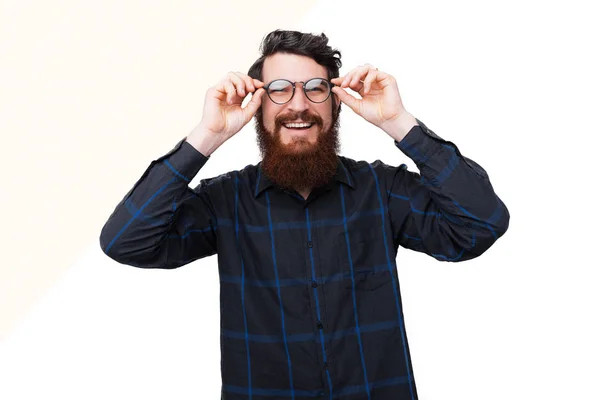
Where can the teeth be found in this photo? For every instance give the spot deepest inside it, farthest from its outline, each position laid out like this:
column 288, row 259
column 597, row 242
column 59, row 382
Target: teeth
column 297, row 125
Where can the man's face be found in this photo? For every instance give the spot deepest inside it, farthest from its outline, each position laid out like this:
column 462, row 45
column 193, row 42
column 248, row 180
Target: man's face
column 297, row 158
column 295, row 68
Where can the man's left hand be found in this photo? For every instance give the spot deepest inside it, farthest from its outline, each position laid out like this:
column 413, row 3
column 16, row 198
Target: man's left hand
column 380, row 102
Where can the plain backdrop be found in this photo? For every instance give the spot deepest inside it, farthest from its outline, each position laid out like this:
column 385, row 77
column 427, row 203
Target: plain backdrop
column 91, row 93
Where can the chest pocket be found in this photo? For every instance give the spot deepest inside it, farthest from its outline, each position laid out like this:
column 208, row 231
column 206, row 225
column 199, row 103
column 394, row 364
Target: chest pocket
column 366, row 249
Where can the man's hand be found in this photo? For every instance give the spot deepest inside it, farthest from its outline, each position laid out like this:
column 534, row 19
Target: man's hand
column 223, row 115
column 380, row 102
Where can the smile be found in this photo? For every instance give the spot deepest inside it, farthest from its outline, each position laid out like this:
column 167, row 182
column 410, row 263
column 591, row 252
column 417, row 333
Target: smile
column 301, row 125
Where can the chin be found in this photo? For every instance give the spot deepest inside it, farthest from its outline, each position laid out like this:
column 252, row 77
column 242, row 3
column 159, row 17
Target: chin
column 309, row 139
column 299, row 144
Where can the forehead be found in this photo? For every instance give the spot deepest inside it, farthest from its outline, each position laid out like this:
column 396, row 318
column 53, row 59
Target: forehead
column 291, row 66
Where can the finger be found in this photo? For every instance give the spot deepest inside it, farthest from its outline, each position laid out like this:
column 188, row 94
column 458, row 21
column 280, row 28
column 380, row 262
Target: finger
column 357, row 87
column 239, row 84
column 230, row 90
column 348, row 77
column 247, row 81
column 359, row 76
column 371, row 77
column 258, row 83
column 224, row 88
column 253, row 104
column 347, row 98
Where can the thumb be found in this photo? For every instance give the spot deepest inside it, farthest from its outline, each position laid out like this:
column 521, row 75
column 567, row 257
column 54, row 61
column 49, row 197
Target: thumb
column 347, row 98
column 253, row 104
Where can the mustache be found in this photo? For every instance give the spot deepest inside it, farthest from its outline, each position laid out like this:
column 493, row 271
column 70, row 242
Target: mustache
column 304, row 116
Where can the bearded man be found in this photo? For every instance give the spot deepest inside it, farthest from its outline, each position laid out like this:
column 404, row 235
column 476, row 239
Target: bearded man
column 307, row 238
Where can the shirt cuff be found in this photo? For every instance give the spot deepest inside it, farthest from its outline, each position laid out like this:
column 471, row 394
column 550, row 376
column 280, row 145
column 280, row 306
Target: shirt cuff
column 420, row 143
column 184, row 161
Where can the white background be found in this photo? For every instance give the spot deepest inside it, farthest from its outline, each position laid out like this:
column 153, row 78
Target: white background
column 514, row 85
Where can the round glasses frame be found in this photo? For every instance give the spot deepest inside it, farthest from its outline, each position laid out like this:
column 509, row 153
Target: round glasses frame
column 329, row 86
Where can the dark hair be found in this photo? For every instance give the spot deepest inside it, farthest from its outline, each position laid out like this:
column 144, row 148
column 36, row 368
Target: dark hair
column 304, row 44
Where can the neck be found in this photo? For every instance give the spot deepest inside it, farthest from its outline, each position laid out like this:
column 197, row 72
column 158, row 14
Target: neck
column 304, row 193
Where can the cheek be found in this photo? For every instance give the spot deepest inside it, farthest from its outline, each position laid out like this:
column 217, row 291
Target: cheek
column 325, row 113
column 268, row 116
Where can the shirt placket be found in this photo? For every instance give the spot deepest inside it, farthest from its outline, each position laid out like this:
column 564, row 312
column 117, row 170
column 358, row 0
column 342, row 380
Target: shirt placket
column 316, row 289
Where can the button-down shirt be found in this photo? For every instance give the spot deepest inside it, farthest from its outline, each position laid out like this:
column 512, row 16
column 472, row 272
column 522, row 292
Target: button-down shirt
column 310, row 298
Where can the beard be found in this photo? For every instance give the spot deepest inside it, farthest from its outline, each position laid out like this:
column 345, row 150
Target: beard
column 299, row 165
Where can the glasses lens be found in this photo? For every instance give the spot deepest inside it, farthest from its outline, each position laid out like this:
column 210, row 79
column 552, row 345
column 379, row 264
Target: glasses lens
column 317, row 90
column 280, row 91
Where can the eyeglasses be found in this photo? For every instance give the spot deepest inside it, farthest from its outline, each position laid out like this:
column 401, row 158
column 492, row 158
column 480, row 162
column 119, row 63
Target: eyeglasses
column 317, row 90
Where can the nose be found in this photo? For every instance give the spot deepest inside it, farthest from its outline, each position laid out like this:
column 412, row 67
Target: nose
column 299, row 101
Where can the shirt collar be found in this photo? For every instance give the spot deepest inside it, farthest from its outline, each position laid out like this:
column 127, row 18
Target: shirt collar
column 342, row 174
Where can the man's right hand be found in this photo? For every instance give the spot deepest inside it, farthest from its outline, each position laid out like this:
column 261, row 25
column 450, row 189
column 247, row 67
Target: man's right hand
column 223, row 115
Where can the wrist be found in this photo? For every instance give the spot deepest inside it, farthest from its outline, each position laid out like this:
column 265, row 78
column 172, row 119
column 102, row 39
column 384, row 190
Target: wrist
column 203, row 140
column 399, row 127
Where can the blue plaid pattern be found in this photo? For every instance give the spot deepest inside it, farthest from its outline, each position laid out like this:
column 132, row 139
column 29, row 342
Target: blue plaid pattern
column 310, row 298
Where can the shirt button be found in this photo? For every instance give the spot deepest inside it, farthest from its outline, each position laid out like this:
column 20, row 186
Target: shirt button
column 319, row 325
column 309, row 243
column 314, row 284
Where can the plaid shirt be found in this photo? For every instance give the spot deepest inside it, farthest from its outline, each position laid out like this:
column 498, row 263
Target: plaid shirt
column 310, row 298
